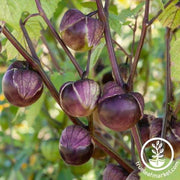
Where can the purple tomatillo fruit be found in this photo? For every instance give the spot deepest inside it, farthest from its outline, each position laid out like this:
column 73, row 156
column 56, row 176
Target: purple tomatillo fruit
column 133, row 175
column 79, row 98
column 114, row 172
column 119, row 111
column 21, row 85
column 75, row 145
column 80, row 32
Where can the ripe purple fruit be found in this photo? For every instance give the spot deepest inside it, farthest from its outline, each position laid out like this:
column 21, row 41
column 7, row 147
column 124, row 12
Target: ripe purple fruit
column 114, row 172
column 80, row 32
column 134, row 175
column 175, row 127
column 119, row 111
column 21, row 85
column 75, row 145
column 79, row 98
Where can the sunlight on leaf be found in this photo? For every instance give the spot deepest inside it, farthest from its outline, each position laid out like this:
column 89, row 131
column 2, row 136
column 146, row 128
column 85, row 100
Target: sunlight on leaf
column 11, row 12
column 175, row 60
column 96, row 53
column 170, row 17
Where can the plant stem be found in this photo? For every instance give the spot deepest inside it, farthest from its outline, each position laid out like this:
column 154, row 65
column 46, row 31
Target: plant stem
column 104, row 18
column 37, row 66
column 113, row 60
column 28, row 40
column 106, row 147
column 106, row 6
column 133, row 152
column 134, row 130
column 91, row 13
column 86, row 72
column 30, row 16
column 133, row 41
column 91, row 124
column 56, row 35
column 140, row 45
column 137, row 139
column 169, row 97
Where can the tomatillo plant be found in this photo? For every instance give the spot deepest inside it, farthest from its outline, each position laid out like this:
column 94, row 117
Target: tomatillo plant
column 107, row 112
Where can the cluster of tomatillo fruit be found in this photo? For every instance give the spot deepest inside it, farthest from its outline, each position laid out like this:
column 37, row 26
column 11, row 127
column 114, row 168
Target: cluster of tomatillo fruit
column 117, row 109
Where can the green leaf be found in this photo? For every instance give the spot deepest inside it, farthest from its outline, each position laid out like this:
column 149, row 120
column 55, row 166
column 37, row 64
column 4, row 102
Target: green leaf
column 96, row 53
column 11, row 50
column 34, row 110
column 65, row 174
column 170, row 17
column 91, row 5
column 115, row 23
column 161, row 4
column 59, row 79
column 136, row 10
column 11, row 12
column 175, row 60
column 124, row 14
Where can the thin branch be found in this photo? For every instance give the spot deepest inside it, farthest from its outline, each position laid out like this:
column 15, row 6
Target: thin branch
column 133, row 152
column 122, row 49
column 91, row 124
column 135, row 130
column 137, row 139
column 28, row 40
column 56, row 35
column 133, row 41
column 86, row 72
column 30, row 16
column 113, row 154
column 37, row 66
column 168, row 110
column 109, row 44
column 140, row 45
column 91, row 13
column 106, row 7
column 159, row 12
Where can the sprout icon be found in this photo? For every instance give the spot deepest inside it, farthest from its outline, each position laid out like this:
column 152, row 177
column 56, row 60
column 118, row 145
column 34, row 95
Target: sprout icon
column 157, row 150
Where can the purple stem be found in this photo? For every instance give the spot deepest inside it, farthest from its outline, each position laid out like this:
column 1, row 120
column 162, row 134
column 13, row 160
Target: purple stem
column 169, row 97
column 109, row 43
